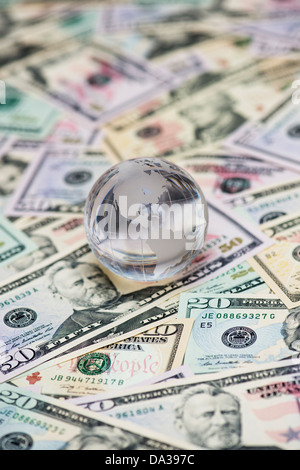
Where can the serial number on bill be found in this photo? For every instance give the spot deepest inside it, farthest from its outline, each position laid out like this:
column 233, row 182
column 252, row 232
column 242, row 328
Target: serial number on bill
column 88, row 380
column 243, row 316
column 17, row 297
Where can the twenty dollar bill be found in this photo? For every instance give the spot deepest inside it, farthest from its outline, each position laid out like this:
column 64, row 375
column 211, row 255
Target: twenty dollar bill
column 233, row 330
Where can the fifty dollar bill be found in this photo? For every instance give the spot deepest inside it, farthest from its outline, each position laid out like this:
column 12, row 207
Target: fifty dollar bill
column 254, row 408
column 32, row 421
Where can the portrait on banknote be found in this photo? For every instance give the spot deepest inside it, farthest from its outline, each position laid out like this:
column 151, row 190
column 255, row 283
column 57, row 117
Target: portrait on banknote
column 45, row 248
column 88, row 290
column 104, row 438
column 291, row 331
column 92, row 295
column 11, row 170
column 211, row 418
column 214, row 118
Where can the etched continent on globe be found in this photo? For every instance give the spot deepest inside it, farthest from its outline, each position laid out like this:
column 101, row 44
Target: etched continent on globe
column 146, row 219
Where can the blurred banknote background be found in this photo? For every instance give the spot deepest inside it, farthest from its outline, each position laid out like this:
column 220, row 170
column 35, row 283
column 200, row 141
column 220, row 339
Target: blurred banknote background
column 209, row 359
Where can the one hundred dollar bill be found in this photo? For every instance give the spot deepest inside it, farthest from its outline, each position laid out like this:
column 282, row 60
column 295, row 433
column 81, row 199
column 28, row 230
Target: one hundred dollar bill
column 32, row 421
column 122, row 364
column 233, row 331
column 58, row 181
column 249, row 409
column 279, row 266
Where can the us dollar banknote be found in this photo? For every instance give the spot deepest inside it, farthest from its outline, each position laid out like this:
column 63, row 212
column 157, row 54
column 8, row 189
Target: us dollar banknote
column 240, row 278
column 194, row 122
column 249, row 409
column 27, row 115
column 222, row 175
column 205, row 59
column 42, row 312
column 125, row 18
column 122, row 364
column 180, row 372
column 100, row 83
column 5, row 143
column 32, row 421
column 68, row 300
column 66, row 131
column 41, row 191
column 13, row 163
column 50, row 235
column 263, row 204
column 14, row 243
column 233, row 331
column 220, row 251
column 275, row 137
column 125, row 327
column 279, row 266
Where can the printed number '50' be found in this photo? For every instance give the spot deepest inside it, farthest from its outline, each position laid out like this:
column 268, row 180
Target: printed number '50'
column 228, row 246
column 21, row 356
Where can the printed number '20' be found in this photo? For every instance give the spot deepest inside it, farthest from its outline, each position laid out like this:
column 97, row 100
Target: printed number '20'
column 203, row 302
column 14, row 398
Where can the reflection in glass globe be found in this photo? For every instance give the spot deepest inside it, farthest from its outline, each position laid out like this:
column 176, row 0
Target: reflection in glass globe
column 145, row 219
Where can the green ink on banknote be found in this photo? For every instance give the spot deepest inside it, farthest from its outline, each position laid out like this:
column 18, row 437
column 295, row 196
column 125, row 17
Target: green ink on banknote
column 94, row 363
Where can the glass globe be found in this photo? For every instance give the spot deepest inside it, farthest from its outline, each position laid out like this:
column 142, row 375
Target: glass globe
column 145, row 219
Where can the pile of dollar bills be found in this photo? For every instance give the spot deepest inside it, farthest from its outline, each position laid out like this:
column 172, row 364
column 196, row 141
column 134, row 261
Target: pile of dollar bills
column 208, row 360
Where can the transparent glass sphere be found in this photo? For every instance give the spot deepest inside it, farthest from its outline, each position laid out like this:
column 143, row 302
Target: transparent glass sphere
column 145, row 219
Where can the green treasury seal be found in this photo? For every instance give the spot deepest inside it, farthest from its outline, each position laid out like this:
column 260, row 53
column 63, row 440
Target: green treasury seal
column 93, row 363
